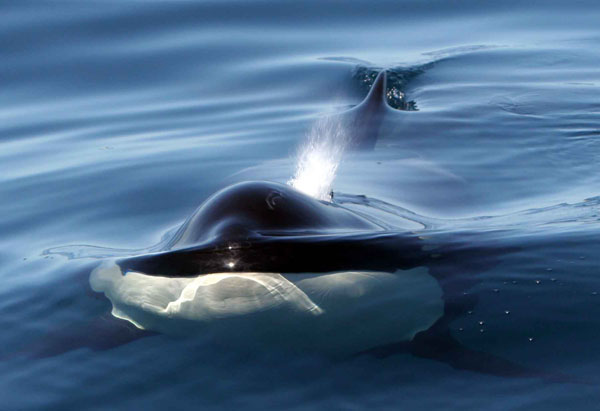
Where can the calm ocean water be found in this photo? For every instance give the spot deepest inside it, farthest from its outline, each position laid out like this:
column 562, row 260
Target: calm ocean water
column 117, row 118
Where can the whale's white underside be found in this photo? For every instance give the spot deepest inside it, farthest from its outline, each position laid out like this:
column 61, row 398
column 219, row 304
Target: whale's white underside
column 340, row 312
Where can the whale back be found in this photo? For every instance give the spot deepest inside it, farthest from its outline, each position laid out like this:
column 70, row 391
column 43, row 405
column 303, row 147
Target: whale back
column 270, row 227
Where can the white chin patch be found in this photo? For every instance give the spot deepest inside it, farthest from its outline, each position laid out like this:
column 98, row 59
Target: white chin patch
column 340, row 312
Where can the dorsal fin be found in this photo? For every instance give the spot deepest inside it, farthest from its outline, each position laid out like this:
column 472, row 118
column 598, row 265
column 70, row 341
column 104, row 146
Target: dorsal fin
column 377, row 93
column 366, row 117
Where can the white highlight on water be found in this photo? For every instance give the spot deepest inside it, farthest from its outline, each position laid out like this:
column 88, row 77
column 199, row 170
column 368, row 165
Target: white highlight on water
column 318, row 159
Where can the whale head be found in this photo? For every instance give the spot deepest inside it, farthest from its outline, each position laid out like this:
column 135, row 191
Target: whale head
column 269, row 227
column 255, row 209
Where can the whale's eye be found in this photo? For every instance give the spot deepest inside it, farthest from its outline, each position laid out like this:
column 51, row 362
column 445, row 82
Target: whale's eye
column 273, row 198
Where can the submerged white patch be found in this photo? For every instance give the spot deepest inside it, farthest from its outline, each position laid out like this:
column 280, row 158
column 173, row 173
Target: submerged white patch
column 340, row 312
column 366, row 309
column 150, row 302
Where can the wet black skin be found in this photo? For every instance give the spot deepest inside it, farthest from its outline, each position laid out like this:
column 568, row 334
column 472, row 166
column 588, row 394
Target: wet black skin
column 271, row 227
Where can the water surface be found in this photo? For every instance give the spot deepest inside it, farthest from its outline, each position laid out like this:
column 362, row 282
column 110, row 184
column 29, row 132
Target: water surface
column 118, row 118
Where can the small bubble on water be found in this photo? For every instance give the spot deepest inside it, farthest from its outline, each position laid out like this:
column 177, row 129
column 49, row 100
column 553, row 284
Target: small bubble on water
column 481, row 330
column 460, row 329
column 594, row 292
column 496, row 290
column 506, row 312
column 514, row 281
column 548, row 269
column 530, row 339
column 469, row 312
column 553, row 280
column 537, row 281
column 481, row 322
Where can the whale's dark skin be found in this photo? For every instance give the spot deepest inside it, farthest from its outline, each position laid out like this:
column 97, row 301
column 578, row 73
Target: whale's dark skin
column 271, row 227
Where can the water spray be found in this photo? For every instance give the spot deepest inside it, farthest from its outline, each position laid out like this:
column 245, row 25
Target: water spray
column 319, row 157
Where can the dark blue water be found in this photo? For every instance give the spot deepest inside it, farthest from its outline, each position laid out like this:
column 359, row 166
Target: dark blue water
column 118, row 118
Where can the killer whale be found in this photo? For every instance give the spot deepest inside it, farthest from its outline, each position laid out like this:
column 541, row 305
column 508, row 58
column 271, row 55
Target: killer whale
column 310, row 253
column 266, row 247
column 265, row 229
